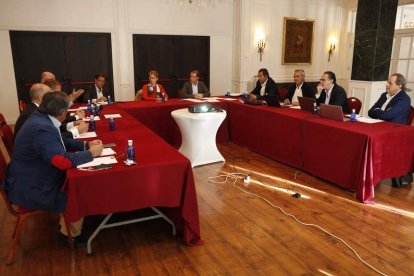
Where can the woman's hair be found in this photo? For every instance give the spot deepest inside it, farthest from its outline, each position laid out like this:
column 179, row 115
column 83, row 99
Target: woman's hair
column 153, row 72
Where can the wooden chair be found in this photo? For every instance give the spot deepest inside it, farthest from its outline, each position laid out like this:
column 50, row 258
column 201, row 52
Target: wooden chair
column 354, row 103
column 20, row 213
column 283, row 92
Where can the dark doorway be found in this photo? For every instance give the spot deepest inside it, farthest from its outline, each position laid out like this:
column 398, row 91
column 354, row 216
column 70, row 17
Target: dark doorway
column 173, row 56
column 74, row 58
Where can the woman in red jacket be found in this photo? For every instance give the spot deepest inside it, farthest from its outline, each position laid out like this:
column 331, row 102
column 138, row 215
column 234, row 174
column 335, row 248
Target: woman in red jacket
column 153, row 91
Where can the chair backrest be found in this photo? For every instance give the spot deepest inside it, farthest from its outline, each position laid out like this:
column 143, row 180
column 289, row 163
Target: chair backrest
column 410, row 120
column 180, row 92
column 22, row 105
column 354, row 103
column 283, row 93
column 2, row 120
column 3, row 166
column 6, row 134
column 139, row 95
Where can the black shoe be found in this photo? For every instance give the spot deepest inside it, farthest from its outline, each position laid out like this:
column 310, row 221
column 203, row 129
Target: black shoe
column 79, row 241
column 396, row 182
column 407, row 179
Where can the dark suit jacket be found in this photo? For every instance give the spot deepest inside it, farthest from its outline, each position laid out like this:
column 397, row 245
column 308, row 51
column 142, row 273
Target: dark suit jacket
column 188, row 90
column 271, row 88
column 338, row 97
column 307, row 91
column 90, row 93
column 38, row 165
column 30, row 108
column 397, row 110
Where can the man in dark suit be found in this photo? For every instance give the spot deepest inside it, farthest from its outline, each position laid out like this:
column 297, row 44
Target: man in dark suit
column 265, row 85
column 37, row 170
column 71, row 128
column 98, row 91
column 194, row 88
column 394, row 106
column 299, row 89
column 332, row 93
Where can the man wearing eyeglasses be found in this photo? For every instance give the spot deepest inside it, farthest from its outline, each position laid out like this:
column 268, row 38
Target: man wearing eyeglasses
column 332, row 93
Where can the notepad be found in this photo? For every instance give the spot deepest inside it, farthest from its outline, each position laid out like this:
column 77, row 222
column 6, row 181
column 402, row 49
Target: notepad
column 99, row 160
column 96, row 118
column 107, row 116
column 107, row 151
column 87, row 135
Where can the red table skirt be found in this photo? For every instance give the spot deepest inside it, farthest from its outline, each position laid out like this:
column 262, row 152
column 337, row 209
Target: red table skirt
column 163, row 177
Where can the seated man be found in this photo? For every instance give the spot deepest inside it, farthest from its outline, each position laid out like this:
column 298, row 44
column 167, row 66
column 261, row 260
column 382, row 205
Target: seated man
column 48, row 76
column 72, row 126
column 98, row 92
column 299, row 89
column 194, row 88
column 332, row 93
column 41, row 157
column 394, row 106
column 265, row 85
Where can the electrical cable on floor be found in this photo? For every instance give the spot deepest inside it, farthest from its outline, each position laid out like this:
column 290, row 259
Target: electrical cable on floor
column 236, row 176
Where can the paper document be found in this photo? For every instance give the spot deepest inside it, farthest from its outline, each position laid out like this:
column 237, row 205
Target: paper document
column 99, row 160
column 194, row 100
column 228, row 99
column 87, row 135
column 295, row 107
column 368, row 120
column 107, row 116
column 208, row 98
column 87, row 119
column 73, row 110
column 212, row 100
column 107, row 151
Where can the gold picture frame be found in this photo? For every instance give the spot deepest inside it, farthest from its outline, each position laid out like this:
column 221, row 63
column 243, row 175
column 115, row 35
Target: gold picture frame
column 297, row 41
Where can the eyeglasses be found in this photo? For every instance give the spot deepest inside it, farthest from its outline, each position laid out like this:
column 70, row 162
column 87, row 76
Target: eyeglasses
column 152, row 77
column 323, row 80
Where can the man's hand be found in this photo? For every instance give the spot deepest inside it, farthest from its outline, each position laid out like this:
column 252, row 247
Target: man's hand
column 252, row 96
column 295, row 103
column 286, row 101
column 82, row 127
column 75, row 94
column 198, row 96
column 96, row 150
column 80, row 114
column 95, row 142
column 102, row 99
column 77, row 122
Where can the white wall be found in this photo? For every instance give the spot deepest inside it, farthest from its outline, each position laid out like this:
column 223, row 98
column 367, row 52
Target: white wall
column 121, row 18
column 330, row 20
column 231, row 25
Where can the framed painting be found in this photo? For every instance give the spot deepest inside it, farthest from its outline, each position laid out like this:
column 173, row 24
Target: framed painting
column 297, row 41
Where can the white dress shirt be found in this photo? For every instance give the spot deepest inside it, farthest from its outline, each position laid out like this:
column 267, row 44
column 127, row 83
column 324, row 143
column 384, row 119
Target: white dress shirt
column 262, row 90
column 99, row 93
column 195, row 88
column 57, row 124
column 298, row 93
column 389, row 98
column 328, row 95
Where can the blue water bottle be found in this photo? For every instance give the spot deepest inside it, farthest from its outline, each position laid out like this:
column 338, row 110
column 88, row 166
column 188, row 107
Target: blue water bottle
column 245, row 96
column 89, row 106
column 97, row 109
column 109, row 100
column 315, row 109
column 130, row 152
column 91, row 124
column 111, row 123
column 227, row 95
column 162, row 97
column 353, row 116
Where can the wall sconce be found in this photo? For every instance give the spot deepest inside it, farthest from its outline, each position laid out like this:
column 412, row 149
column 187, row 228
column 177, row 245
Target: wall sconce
column 261, row 45
column 332, row 48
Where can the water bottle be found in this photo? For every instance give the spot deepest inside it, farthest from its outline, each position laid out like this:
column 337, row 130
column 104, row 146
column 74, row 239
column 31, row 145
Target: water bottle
column 109, row 100
column 98, row 110
column 93, row 111
column 315, row 109
column 130, row 152
column 162, row 97
column 89, row 106
column 245, row 96
column 353, row 116
column 111, row 123
column 227, row 95
column 91, row 124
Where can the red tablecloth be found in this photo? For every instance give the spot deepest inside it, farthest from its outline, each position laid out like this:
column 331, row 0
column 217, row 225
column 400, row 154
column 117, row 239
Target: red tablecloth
column 162, row 178
column 357, row 155
column 157, row 117
column 353, row 155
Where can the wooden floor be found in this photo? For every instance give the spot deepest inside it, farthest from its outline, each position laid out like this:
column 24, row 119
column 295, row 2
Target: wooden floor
column 243, row 234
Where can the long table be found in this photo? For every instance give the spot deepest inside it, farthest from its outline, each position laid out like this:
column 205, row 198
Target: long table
column 157, row 117
column 163, row 178
column 350, row 154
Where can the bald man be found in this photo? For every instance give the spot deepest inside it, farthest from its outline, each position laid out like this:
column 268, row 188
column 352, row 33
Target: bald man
column 49, row 76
